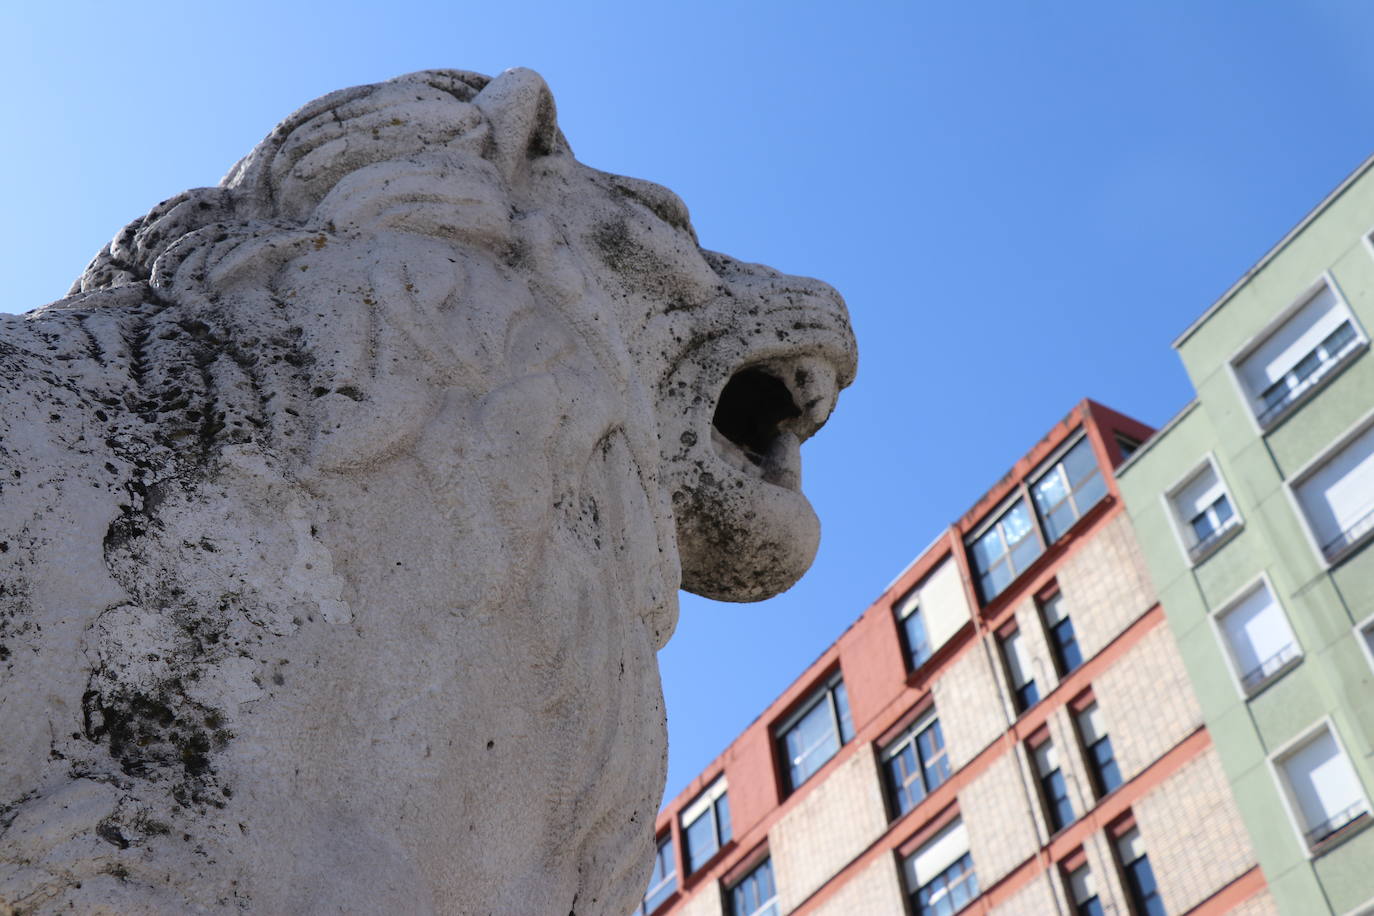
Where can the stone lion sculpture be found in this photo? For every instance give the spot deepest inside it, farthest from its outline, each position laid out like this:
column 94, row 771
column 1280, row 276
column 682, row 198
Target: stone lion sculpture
column 344, row 509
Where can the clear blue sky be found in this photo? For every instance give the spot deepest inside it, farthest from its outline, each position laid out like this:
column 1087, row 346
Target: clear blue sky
column 1023, row 203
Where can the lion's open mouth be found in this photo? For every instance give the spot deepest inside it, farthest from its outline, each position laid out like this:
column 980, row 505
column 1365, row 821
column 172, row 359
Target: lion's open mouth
column 755, row 427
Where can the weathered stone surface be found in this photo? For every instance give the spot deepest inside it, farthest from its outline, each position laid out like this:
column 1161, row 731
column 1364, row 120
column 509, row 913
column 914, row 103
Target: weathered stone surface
column 344, row 507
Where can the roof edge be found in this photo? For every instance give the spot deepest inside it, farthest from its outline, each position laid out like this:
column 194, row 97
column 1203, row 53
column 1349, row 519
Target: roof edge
column 1274, row 251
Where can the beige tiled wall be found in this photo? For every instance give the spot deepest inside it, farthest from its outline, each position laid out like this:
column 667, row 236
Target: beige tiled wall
column 705, row 901
column 1262, row 904
column 994, row 808
column 1105, row 585
column 970, row 707
column 1193, row 833
column 877, row 890
column 1035, row 899
column 827, row 828
column 1147, row 702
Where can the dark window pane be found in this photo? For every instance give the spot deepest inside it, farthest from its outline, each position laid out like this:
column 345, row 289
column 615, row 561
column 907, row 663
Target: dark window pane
column 842, row 707
column 917, row 641
column 1144, row 891
column 1090, row 493
column 723, row 818
column 1108, row 773
column 699, row 838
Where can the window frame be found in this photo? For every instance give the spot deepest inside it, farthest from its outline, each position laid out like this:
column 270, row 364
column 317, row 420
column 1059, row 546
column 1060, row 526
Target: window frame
column 710, row 800
column 1364, row 635
column 1262, row 425
column 1005, row 634
column 1197, row 551
column 1073, row 864
column 659, row 842
column 936, row 829
column 1219, row 631
column 1061, row 665
column 1055, row 464
column 910, row 734
column 823, row 693
column 908, row 606
column 1078, row 707
column 1135, row 900
column 1324, row 457
column 1050, row 803
column 728, row 891
column 1358, row 823
column 993, row 520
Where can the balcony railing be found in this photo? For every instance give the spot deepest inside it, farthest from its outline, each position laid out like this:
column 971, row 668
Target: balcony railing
column 1252, row 679
column 1342, row 542
column 1213, row 538
column 1336, row 823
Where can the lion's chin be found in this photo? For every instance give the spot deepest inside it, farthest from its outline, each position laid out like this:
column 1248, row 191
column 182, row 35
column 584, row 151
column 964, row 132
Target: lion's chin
column 744, row 539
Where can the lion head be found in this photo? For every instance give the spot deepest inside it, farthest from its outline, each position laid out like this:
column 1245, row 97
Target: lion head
column 403, row 439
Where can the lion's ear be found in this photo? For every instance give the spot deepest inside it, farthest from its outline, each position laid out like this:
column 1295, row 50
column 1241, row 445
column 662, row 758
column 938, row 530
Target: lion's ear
column 524, row 122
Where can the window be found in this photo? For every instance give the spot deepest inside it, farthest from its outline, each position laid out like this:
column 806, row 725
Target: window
column 1204, row 512
column 1004, row 550
column 915, row 639
column 1127, row 445
column 1302, row 351
column 1322, row 787
column 706, row 825
column 1053, row 789
column 813, row 735
column 1063, row 640
column 1258, row 638
column 756, row 895
column 663, row 880
column 1140, row 878
column 939, row 876
column 1366, row 636
column 1338, row 497
column 1019, row 670
column 1070, row 488
column 915, row 763
column 1083, row 890
column 1106, row 774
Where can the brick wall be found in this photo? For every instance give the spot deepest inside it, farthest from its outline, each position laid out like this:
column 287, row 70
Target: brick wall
column 1035, row 899
column 1105, row 585
column 831, row 825
column 1193, row 833
column 705, row 901
column 970, row 706
column 875, row 891
column 1262, row 904
column 1147, row 702
column 1001, row 833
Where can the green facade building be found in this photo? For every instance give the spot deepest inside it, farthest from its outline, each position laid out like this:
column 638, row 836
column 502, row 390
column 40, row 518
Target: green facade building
column 1255, row 508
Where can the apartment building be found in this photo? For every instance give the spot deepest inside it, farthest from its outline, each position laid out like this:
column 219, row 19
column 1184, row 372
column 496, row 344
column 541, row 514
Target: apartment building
column 1009, row 728
column 1255, row 508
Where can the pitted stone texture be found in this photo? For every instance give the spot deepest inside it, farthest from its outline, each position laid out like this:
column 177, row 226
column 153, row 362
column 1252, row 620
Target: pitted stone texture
column 344, row 507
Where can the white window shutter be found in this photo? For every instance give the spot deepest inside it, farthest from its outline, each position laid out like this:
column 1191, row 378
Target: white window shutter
column 1342, row 491
column 1322, row 780
column 1199, row 493
column 943, row 850
column 1256, row 629
column 1293, row 340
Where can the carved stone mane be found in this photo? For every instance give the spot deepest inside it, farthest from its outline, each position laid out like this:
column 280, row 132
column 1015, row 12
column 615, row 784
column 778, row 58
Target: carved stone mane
column 343, row 509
